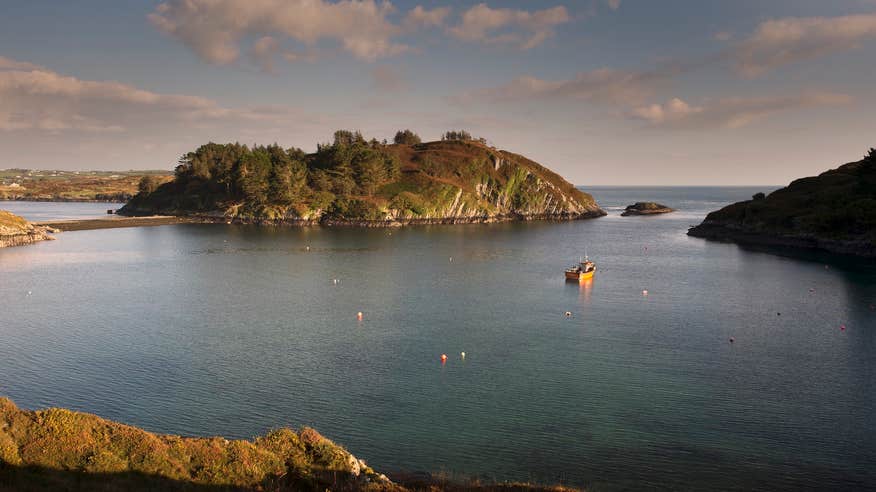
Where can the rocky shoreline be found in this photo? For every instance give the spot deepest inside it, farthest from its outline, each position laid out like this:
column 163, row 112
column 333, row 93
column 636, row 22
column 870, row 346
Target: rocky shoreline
column 718, row 231
column 220, row 218
column 15, row 231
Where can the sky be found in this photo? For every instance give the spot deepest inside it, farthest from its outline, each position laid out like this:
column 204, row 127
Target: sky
column 605, row 92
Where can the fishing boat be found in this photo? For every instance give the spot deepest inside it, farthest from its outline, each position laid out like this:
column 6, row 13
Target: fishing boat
column 581, row 271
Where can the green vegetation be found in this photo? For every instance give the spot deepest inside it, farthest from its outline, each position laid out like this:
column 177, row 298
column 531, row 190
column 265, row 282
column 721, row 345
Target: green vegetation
column 353, row 179
column 32, row 444
column 106, row 186
column 58, row 449
column 836, row 206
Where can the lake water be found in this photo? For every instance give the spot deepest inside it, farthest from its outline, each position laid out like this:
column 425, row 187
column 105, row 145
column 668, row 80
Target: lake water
column 233, row 330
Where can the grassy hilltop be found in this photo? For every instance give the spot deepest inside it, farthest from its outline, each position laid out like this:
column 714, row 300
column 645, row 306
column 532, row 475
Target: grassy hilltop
column 352, row 180
column 58, row 449
column 834, row 211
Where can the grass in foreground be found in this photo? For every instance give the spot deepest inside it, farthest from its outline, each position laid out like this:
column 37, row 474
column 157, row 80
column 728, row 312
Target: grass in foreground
column 58, row 449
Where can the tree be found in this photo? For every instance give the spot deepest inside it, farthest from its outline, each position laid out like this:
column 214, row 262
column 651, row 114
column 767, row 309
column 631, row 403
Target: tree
column 148, row 184
column 758, row 196
column 456, row 135
column 407, row 137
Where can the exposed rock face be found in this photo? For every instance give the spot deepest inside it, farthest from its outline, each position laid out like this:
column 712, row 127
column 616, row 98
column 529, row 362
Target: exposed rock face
column 447, row 182
column 833, row 212
column 15, row 231
column 646, row 208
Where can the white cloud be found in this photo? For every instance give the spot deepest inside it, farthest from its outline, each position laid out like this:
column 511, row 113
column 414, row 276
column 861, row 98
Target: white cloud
column 214, row 29
column 731, row 113
column 783, row 41
column 604, row 85
column 420, row 17
column 525, row 29
column 40, row 99
column 10, row 64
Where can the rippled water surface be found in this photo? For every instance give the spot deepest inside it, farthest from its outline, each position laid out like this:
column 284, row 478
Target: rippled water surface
column 232, row 330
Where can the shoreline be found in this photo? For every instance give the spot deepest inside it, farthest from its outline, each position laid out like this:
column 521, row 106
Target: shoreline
column 712, row 231
column 120, row 221
column 111, row 222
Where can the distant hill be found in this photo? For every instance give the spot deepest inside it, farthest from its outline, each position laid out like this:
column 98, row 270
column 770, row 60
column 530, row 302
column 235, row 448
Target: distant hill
column 834, row 211
column 74, row 186
column 357, row 182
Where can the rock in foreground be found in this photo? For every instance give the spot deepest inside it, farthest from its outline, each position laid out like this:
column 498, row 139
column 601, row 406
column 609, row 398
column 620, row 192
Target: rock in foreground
column 833, row 212
column 646, row 208
column 59, row 449
column 15, row 231
column 363, row 183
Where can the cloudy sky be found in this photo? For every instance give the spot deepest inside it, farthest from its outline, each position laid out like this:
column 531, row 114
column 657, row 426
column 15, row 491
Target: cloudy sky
column 603, row 91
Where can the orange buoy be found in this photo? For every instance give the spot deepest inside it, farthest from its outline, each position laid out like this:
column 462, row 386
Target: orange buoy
column 443, row 358
column 359, row 315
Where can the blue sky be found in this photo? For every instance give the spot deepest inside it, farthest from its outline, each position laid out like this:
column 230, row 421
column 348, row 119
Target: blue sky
column 603, row 91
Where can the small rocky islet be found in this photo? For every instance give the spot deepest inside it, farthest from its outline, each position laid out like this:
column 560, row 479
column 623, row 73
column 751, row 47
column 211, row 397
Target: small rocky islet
column 646, row 208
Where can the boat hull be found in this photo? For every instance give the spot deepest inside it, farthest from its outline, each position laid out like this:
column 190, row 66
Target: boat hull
column 580, row 275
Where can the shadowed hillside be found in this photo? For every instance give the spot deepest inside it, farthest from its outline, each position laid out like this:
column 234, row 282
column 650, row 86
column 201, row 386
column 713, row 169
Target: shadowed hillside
column 834, row 211
column 359, row 182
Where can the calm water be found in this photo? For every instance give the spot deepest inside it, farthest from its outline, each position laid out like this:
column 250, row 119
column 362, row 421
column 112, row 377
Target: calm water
column 231, row 330
column 41, row 211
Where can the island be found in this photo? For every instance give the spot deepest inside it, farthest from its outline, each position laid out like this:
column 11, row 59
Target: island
column 59, row 449
column 16, row 231
column 833, row 212
column 646, row 208
column 359, row 182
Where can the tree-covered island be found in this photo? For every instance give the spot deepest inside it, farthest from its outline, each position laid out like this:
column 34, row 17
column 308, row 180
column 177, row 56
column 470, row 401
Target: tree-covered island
column 354, row 181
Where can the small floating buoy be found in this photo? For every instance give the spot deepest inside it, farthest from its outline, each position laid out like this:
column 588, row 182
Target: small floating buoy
column 778, row 314
column 462, row 354
column 842, row 327
column 645, row 292
column 568, row 314
column 443, row 358
column 811, row 290
column 732, row 339
column 359, row 315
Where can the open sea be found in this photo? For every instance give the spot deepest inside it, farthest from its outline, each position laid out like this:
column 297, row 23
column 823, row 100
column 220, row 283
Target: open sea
column 233, row 330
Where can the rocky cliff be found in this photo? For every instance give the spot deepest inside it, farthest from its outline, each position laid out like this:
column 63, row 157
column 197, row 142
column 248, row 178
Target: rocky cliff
column 368, row 184
column 834, row 212
column 15, row 231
